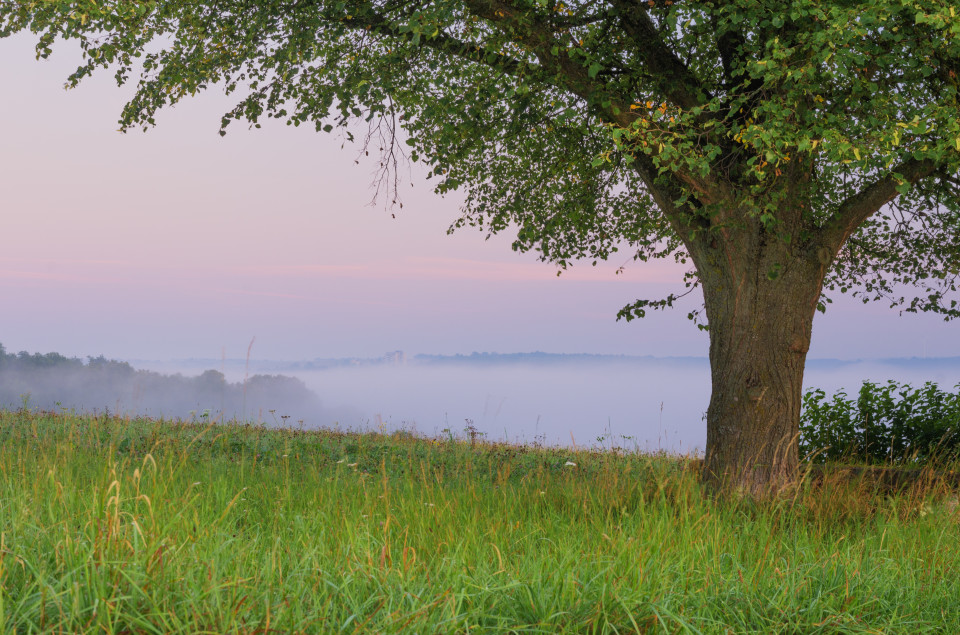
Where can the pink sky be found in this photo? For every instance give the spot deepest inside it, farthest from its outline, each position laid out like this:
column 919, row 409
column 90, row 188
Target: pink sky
column 178, row 243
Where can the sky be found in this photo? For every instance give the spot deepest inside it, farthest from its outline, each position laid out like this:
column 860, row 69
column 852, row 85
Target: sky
column 178, row 243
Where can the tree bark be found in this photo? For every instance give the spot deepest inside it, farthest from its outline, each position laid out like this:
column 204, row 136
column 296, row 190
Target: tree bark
column 760, row 300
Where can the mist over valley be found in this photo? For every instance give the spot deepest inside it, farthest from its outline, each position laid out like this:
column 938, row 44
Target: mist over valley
column 650, row 403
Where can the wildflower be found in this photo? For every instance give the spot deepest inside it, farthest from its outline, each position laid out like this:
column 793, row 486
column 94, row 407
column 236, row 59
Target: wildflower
column 352, row 464
column 429, row 504
column 197, row 483
column 570, row 464
column 342, row 461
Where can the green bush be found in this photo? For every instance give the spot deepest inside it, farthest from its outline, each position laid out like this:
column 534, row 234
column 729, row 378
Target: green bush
column 885, row 423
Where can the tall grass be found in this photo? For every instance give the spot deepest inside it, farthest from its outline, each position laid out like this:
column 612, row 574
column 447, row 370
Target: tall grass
column 137, row 526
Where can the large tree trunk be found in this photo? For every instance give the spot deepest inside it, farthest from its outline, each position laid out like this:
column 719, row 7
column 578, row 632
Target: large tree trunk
column 760, row 302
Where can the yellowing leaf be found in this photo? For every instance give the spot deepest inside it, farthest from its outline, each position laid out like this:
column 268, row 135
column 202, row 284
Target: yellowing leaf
column 856, row 153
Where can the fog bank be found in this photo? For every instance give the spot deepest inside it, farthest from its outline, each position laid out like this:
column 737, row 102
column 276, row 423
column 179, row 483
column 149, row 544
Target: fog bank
column 646, row 403
column 598, row 401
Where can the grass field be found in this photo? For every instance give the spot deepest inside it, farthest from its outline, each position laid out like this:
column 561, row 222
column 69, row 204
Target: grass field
column 113, row 525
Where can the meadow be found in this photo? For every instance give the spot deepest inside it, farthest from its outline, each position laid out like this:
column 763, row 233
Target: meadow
column 120, row 525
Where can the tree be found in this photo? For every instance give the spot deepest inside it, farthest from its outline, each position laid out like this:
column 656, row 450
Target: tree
column 781, row 147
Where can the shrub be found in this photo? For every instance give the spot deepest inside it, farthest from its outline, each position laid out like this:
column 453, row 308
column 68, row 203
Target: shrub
column 886, row 423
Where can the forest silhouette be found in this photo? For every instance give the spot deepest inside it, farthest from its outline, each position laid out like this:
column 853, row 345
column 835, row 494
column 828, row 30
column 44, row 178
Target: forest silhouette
column 54, row 381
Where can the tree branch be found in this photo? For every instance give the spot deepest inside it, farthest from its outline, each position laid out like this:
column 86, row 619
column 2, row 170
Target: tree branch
column 568, row 74
column 730, row 46
column 865, row 203
column 443, row 43
column 674, row 77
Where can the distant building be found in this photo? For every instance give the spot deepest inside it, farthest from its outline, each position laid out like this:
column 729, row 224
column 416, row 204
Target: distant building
column 396, row 358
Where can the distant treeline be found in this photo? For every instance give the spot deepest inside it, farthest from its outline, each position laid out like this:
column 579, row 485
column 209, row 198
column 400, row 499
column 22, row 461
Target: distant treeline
column 52, row 380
